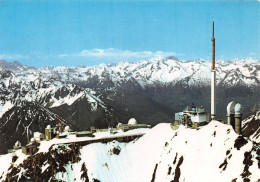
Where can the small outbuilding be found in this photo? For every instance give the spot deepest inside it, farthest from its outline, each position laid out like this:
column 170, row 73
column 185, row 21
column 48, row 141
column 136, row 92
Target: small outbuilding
column 38, row 136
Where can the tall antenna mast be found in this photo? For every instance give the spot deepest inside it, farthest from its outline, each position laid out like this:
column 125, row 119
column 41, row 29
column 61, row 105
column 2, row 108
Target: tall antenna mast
column 213, row 78
column 213, row 47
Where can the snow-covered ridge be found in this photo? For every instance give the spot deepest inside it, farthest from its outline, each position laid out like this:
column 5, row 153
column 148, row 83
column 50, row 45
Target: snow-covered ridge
column 168, row 71
column 146, row 72
column 213, row 153
column 31, row 84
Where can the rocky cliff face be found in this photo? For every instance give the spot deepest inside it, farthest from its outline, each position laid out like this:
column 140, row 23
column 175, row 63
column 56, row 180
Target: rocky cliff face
column 251, row 127
column 213, row 153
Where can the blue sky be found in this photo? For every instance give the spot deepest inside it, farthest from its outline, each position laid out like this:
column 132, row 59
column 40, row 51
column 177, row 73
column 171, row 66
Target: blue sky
column 39, row 33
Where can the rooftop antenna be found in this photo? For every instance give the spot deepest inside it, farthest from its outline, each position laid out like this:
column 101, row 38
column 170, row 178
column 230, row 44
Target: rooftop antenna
column 213, row 78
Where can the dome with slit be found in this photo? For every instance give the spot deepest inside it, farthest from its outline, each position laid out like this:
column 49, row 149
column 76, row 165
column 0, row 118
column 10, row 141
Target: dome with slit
column 18, row 144
column 132, row 121
column 238, row 108
column 32, row 140
column 231, row 107
column 67, row 128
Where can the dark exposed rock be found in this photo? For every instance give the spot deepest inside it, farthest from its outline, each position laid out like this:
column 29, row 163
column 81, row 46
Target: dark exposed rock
column 116, row 150
column 84, row 175
column 154, row 173
column 96, row 180
column 177, row 173
column 240, row 142
column 14, row 158
column 56, row 158
column 169, row 170
column 248, row 162
column 224, row 165
column 175, row 158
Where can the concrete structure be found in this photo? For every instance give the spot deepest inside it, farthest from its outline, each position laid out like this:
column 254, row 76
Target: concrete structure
column 49, row 133
column 38, row 136
column 192, row 116
column 132, row 124
column 234, row 116
column 30, row 148
column 213, row 79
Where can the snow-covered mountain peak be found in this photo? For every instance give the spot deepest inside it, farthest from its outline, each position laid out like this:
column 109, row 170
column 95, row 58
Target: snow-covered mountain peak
column 14, row 65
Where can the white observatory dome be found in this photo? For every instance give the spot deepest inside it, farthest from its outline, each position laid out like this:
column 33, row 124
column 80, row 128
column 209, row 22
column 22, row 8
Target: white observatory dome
column 67, row 128
column 17, row 144
column 132, row 121
column 119, row 125
column 32, row 140
column 231, row 107
column 238, row 108
column 48, row 127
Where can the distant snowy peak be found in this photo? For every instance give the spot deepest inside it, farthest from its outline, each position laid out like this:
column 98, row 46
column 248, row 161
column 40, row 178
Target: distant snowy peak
column 14, row 65
column 167, row 71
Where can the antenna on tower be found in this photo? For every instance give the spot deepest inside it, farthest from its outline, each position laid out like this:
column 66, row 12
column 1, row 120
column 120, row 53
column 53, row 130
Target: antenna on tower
column 213, row 30
column 213, row 78
column 213, row 47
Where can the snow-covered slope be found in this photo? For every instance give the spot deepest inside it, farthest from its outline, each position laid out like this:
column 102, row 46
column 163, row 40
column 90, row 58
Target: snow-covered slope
column 213, row 153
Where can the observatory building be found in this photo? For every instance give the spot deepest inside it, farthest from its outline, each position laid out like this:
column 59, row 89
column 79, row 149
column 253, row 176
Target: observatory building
column 196, row 116
column 132, row 124
column 192, row 116
column 234, row 116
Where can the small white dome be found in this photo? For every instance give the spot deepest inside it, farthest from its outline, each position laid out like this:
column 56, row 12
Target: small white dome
column 67, row 128
column 32, row 140
column 17, row 144
column 231, row 107
column 132, row 121
column 119, row 124
column 238, row 108
column 48, row 127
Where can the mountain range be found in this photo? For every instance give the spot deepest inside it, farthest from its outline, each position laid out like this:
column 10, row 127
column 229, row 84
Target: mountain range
column 150, row 91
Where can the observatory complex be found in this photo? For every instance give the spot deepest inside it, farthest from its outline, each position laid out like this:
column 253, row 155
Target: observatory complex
column 196, row 116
